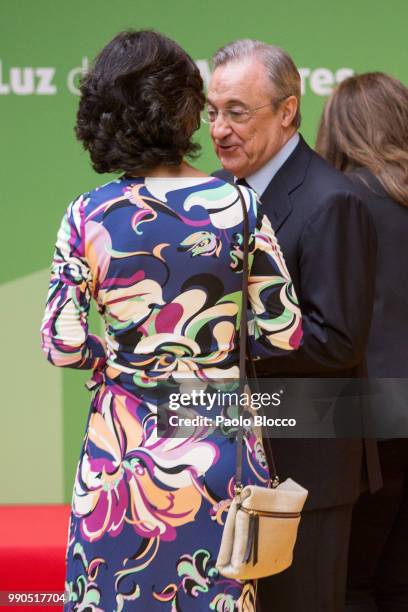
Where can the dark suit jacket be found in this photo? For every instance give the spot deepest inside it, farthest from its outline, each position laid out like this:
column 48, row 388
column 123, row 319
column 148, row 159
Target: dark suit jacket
column 329, row 244
column 387, row 351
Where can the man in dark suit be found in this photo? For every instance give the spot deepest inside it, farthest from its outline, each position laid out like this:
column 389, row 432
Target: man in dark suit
column 329, row 244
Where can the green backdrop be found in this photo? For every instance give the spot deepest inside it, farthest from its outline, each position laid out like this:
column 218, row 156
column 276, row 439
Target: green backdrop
column 43, row 46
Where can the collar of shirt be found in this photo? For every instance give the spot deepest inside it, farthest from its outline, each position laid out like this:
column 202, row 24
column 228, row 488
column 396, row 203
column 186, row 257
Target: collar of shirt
column 261, row 179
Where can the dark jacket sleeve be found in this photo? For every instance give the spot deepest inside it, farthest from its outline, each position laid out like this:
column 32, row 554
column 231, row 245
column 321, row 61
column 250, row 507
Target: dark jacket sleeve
column 337, row 258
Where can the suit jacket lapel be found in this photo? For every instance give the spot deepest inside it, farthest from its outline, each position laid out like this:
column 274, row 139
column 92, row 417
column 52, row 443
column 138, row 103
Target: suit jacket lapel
column 276, row 203
column 276, row 200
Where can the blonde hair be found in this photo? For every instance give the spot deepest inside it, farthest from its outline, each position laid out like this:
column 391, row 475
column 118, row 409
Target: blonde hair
column 365, row 124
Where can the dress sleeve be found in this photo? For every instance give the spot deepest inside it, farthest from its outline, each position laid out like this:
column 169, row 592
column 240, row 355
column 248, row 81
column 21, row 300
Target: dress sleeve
column 64, row 331
column 276, row 324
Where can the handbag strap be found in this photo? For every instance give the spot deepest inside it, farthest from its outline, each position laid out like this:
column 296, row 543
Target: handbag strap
column 243, row 353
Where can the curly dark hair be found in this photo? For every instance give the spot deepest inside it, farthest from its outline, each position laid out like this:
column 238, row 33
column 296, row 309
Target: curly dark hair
column 140, row 104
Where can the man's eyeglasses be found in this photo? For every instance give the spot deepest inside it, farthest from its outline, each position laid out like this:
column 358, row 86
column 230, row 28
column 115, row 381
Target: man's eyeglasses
column 231, row 115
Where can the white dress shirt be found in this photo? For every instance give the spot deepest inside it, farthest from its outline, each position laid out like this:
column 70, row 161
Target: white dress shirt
column 261, row 179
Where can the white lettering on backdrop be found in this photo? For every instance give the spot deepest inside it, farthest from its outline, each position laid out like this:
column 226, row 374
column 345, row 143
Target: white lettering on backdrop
column 28, row 81
column 39, row 81
column 74, row 76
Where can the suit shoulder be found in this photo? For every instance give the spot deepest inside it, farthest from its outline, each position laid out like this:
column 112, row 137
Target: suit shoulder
column 325, row 185
column 367, row 184
column 324, row 174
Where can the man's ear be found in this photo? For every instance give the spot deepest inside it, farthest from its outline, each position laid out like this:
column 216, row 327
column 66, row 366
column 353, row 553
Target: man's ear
column 288, row 110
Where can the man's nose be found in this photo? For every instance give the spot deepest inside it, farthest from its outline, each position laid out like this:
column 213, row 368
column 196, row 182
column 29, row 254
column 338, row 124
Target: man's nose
column 220, row 128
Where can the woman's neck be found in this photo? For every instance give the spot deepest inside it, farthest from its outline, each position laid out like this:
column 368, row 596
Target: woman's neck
column 182, row 170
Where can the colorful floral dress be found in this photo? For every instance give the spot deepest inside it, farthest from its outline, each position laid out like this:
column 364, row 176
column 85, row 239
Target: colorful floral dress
column 162, row 258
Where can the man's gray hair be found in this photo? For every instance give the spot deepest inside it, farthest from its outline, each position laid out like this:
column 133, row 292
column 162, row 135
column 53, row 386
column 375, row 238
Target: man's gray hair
column 280, row 68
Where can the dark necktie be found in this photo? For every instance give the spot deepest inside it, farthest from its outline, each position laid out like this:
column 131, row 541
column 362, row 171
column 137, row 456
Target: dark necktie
column 242, row 182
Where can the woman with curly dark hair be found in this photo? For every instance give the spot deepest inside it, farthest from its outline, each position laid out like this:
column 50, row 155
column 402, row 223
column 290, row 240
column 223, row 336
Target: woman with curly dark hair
column 140, row 105
column 364, row 132
column 159, row 249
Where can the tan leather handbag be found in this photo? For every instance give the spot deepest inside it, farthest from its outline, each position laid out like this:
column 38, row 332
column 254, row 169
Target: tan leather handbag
column 261, row 526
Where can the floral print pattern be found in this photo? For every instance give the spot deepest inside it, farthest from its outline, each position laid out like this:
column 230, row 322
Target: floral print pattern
column 162, row 259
